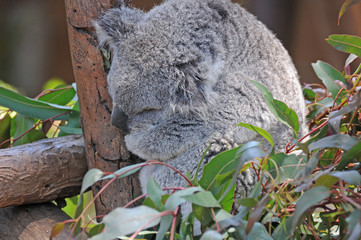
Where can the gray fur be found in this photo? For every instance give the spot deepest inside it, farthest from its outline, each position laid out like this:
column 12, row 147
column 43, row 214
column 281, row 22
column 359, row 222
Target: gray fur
column 180, row 73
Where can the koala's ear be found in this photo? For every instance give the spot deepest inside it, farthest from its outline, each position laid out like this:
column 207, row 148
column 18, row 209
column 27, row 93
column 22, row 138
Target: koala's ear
column 115, row 24
column 193, row 87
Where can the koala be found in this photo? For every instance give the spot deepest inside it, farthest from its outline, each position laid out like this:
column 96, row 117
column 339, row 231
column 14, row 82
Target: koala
column 180, row 82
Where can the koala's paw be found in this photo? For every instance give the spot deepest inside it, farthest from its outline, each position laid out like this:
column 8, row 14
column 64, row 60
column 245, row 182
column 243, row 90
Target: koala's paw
column 245, row 183
column 219, row 145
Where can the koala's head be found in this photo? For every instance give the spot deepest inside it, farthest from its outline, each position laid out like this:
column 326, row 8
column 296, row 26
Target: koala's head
column 160, row 62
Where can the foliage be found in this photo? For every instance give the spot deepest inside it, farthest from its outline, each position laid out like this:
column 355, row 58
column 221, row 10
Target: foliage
column 52, row 113
column 313, row 194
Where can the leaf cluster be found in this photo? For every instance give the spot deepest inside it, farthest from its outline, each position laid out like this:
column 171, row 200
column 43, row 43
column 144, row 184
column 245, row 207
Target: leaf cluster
column 313, row 193
column 53, row 112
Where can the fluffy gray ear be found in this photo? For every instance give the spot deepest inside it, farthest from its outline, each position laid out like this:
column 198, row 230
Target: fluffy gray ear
column 192, row 90
column 115, row 24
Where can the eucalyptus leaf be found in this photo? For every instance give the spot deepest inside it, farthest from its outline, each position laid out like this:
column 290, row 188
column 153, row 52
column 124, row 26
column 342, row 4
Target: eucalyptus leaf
column 283, row 113
column 25, row 129
column 346, row 43
column 186, row 229
column 345, row 6
column 284, row 230
column 352, row 57
column 310, row 166
column 353, row 225
column 204, row 199
column 285, row 166
column 352, row 154
column 125, row 171
column 211, row 235
column 154, row 192
column 61, row 95
column 32, row 108
column 175, row 200
column 221, row 164
column 258, row 130
column 342, row 141
column 91, row 177
column 328, row 75
column 310, row 198
column 124, row 221
column 352, row 176
column 70, row 130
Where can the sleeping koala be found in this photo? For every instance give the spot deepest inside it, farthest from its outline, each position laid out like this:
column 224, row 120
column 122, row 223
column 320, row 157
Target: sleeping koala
column 179, row 81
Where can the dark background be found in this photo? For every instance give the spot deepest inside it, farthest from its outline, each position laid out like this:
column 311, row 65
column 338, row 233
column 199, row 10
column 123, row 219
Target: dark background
column 34, row 43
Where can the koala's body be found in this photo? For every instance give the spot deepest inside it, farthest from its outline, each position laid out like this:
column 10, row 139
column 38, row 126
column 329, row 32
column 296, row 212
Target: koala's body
column 179, row 81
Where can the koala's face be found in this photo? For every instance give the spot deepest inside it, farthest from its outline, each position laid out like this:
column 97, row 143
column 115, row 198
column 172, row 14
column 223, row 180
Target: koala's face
column 139, row 91
column 155, row 72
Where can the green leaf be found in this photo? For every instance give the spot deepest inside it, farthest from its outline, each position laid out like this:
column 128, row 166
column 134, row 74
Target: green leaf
column 5, row 126
column 326, row 181
column 24, row 124
column 309, row 94
column 91, row 177
column 247, row 202
column 258, row 130
column 53, row 83
column 342, row 141
column 175, row 200
column 125, row 171
column 211, row 235
column 282, row 112
column 328, row 75
column 352, row 176
column 353, row 221
column 352, row 154
column 247, row 152
column 155, row 192
column 32, row 108
column 345, row 6
column 203, row 215
column 70, row 130
column 312, row 197
column 61, row 97
column 256, row 213
column 96, row 230
column 310, row 166
column 346, row 43
column 223, row 178
column 284, row 230
column 124, row 221
column 220, row 164
column 222, row 215
column 259, row 232
column 148, row 202
column 204, row 199
column 284, row 166
column 186, row 229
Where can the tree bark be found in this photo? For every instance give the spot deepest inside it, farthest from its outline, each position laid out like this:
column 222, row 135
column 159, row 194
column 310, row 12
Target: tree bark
column 104, row 143
column 31, row 222
column 42, row 171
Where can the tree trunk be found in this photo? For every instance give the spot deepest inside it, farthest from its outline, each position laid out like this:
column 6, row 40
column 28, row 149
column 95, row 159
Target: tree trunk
column 104, row 143
column 42, row 171
column 31, row 222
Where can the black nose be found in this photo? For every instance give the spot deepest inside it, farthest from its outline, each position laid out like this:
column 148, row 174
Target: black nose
column 120, row 120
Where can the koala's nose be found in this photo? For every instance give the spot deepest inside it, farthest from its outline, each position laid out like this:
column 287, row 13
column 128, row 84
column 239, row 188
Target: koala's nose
column 120, row 120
